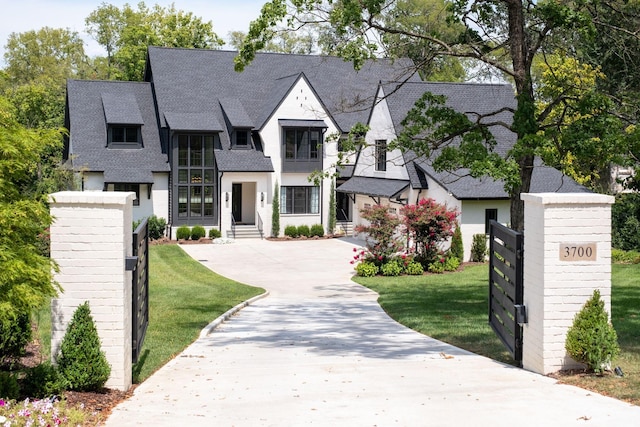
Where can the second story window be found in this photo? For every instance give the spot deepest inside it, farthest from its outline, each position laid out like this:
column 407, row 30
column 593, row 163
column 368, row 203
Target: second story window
column 381, row 155
column 124, row 136
column 302, row 144
column 241, row 138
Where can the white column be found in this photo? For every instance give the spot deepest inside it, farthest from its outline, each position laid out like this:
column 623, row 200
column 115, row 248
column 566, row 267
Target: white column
column 91, row 236
column 567, row 255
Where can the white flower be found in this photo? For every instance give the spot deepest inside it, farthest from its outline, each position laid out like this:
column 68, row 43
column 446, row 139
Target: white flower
column 3, row 419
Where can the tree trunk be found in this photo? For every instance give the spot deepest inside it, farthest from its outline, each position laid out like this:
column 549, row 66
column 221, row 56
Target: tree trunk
column 517, row 205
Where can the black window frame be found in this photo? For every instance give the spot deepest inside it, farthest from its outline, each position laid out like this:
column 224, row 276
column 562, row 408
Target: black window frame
column 247, row 135
column 290, row 200
column 293, row 160
column 381, row 155
column 132, row 136
column 127, row 187
column 489, row 214
column 195, row 179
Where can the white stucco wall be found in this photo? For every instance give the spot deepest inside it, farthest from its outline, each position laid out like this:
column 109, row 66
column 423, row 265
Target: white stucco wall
column 253, row 184
column 380, row 128
column 472, row 219
column 300, row 103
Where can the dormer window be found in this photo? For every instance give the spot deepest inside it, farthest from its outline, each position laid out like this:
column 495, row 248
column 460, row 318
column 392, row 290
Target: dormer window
column 124, row 136
column 241, row 138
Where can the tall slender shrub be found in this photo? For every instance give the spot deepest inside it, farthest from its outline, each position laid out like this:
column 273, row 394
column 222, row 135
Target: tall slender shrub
column 80, row 361
column 332, row 208
column 275, row 211
column 457, row 248
column 479, row 248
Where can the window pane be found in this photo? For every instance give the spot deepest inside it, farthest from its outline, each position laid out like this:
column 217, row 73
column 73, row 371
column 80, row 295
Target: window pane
column 242, row 137
column 208, row 201
column 315, row 200
column 131, row 135
column 196, row 201
column 208, row 150
column 314, row 144
column 290, row 140
column 182, row 176
column 196, row 150
column 208, row 176
column 117, row 134
column 302, row 144
column 300, row 200
column 381, row 155
column 196, row 176
column 183, row 150
column 182, row 202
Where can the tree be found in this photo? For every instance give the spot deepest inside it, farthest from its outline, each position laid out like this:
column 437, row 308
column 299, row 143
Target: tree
column 275, row 211
column 53, row 54
column 25, row 273
column 126, row 33
column 382, row 240
column 506, row 36
column 302, row 43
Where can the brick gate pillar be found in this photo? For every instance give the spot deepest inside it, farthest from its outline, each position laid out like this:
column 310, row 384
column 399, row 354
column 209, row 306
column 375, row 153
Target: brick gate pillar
column 567, row 254
column 91, row 237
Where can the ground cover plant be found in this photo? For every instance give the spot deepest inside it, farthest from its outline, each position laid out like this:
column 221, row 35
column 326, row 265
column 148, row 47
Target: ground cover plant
column 453, row 308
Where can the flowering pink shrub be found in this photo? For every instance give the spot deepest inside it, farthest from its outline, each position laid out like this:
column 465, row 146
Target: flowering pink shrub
column 428, row 223
column 382, row 240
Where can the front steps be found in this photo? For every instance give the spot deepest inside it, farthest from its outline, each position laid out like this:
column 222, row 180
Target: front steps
column 245, row 232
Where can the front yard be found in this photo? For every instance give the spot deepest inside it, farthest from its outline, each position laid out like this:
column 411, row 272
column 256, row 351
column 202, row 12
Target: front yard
column 453, row 308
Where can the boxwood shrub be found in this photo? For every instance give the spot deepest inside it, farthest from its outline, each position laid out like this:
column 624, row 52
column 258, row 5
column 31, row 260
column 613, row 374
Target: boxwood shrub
column 291, row 231
column 183, row 232
column 316, row 230
column 197, row 232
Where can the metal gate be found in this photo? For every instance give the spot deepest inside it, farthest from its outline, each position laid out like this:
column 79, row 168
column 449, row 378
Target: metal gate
column 507, row 313
column 140, row 294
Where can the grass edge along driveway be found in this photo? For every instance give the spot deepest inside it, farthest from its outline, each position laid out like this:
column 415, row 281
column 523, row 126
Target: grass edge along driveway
column 184, row 297
column 453, row 308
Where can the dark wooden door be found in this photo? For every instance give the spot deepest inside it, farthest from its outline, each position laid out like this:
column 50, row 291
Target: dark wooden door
column 236, row 202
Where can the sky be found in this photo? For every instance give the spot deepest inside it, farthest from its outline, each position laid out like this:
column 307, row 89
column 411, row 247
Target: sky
column 18, row 16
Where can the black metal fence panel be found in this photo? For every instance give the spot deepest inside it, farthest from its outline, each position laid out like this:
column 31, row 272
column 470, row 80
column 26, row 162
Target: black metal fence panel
column 506, row 287
column 140, row 295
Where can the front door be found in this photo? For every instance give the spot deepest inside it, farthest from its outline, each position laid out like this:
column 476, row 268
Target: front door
column 236, row 202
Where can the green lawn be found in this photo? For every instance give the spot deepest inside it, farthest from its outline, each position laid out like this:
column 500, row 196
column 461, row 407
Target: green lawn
column 453, row 308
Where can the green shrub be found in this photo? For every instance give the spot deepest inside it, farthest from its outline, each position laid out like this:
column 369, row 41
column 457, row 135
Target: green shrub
column 80, row 361
column 625, row 229
column 391, row 268
column 291, row 231
column 479, row 248
column 275, row 211
column 591, row 339
column 451, row 263
column 43, row 381
column 157, row 227
column 15, row 334
column 303, row 230
column 197, row 232
column 183, row 232
column 316, row 230
column 366, row 269
column 457, row 248
column 619, row 256
column 437, row 266
column 414, row 268
column 214, row 233
column 9, row 388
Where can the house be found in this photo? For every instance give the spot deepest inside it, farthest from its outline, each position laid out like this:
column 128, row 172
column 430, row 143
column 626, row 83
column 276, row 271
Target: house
column 201, row 144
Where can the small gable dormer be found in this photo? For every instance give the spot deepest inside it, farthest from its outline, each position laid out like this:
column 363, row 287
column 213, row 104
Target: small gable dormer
column 239, row 123
column 123, row 119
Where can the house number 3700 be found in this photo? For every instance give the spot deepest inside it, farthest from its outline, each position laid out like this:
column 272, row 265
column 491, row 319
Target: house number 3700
column 578, row 251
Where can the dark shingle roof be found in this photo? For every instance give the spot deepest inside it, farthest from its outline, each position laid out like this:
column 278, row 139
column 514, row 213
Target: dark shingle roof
column 88, row 130
column 193, row 80
column 235, row 113
column 195, row 122
column 243, row 161
column 373, row 186
column 121, row 109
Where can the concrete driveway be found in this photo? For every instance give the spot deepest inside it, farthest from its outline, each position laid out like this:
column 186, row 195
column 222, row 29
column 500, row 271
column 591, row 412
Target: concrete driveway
column 318, row 350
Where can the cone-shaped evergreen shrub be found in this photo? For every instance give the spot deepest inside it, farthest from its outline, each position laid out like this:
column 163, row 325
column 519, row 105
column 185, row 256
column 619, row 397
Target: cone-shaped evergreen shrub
column 591, row 339
column 80, row 361
column 457, row 249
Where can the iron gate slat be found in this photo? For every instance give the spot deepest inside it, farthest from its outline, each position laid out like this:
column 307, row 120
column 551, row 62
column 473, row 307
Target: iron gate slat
column 507, row 287
column 507, row 253
column 140, row 289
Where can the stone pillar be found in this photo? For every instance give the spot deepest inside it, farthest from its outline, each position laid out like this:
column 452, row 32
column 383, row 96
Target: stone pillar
column 567, row 255
column 90, row 238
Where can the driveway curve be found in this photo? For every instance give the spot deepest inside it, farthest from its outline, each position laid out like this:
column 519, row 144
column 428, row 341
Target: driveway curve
column 318, row 350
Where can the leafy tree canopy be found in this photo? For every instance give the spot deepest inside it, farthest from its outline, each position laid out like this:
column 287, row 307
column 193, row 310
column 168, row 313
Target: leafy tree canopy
column 127, row 32
column 25, row 271
column 506, row 37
